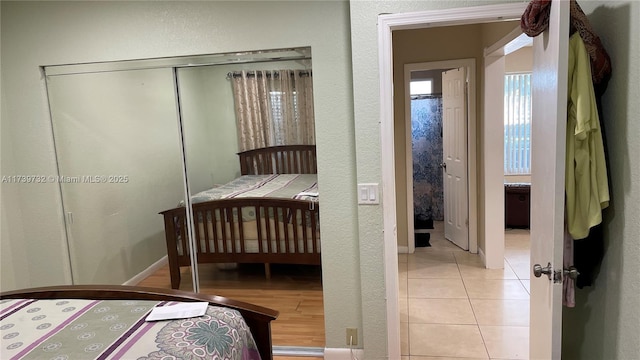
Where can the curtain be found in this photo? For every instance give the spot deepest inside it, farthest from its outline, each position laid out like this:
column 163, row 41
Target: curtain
column 273, row 107
column 426, row 144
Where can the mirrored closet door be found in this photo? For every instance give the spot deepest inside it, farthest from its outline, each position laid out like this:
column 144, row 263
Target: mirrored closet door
column 249, row 246
column 134, row 138
column 119, row 157
column 209, row 102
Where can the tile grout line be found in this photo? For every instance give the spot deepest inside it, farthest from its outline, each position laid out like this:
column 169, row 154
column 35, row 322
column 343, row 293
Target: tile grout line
column 462, row 278
column 408, row 326
column 518, row 276
column 484, row 343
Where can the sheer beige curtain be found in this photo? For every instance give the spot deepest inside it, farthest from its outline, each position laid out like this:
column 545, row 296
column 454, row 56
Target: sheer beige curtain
column 273, row 108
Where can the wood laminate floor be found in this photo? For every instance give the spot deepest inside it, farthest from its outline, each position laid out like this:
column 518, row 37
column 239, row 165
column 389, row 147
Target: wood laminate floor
column 294, row 290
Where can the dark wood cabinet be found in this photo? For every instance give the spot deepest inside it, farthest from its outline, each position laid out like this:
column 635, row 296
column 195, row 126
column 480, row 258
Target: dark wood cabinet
column 517, row 205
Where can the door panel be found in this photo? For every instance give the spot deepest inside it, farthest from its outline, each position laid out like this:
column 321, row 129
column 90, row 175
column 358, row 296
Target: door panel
column 549, row 116
column 454, row 105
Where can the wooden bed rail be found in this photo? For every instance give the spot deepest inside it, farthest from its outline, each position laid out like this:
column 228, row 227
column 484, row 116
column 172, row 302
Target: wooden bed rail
column 287, row 159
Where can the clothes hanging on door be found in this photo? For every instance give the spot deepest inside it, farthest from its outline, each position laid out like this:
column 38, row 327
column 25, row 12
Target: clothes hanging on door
column 586, row 179
column 535, row 20
column 586, row 183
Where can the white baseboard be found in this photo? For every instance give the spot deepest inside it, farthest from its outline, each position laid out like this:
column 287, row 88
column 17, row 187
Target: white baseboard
column 298, row 351
column 403, row 249
column 342, row 354
column 484, row 260
column 148, row 271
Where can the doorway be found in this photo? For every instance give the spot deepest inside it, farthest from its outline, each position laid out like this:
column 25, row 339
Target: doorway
column 549, row 126
column 418, row 201
column 386, row 26
column 424, row 311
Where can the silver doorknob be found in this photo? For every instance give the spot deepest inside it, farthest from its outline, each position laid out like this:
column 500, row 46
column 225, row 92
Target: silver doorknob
column 538, row 270
column 443, row 165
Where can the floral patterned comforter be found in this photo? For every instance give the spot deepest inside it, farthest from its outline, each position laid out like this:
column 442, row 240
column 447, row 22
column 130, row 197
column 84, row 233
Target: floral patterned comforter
column 116, row 329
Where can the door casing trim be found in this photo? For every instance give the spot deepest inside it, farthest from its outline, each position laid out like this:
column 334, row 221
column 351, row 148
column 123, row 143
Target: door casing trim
column 386, row 24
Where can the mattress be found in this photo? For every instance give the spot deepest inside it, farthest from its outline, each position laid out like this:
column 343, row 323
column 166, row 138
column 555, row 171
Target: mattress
column 284, row 186
column 116, row 329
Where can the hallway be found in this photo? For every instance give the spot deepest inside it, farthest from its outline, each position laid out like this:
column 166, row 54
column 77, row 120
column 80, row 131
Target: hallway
column 451, row 306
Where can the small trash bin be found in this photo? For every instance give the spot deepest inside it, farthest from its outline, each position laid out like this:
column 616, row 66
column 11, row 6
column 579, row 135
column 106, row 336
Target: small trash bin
column 517, row 205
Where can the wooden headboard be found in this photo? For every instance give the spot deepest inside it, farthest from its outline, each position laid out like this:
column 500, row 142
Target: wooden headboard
column 285, row 159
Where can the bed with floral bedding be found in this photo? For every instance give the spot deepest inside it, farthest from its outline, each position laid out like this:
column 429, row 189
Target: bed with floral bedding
column 80, row 324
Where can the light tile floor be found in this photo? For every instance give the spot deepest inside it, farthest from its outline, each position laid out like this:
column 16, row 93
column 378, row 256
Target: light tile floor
column 451, row 307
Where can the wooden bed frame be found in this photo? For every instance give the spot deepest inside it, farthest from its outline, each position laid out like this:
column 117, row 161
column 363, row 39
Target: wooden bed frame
column 295, row 241
column 257, row 318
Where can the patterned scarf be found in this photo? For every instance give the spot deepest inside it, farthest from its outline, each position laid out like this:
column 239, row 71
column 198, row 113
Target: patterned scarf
column 535, row 20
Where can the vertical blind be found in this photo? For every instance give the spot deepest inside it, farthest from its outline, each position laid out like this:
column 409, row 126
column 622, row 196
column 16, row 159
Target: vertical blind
column 517, row 124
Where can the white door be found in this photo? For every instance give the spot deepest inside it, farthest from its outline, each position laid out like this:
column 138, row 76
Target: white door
column 549, row 116
column 454, row 124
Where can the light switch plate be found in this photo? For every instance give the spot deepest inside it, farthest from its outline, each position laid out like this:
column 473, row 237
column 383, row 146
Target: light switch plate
column 368, row 194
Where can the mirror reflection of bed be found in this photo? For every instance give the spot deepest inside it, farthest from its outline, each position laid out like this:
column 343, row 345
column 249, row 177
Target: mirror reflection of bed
column 227, row 104
column 263, row 250
column 270, row 214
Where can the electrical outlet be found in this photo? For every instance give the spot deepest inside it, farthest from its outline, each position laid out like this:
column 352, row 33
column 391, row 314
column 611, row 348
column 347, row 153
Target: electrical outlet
column 352, row 336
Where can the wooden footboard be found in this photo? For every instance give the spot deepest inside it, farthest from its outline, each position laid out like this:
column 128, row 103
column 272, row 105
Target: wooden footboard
column 245, row 230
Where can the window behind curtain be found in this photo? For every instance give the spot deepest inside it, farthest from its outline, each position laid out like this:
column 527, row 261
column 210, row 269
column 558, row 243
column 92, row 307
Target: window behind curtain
column 277, row 113
column 517, row 124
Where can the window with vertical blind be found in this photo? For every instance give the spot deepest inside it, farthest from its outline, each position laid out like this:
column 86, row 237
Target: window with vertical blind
column 517, row 124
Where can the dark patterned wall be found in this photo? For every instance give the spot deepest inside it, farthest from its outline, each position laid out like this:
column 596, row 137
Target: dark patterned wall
column 426, row 138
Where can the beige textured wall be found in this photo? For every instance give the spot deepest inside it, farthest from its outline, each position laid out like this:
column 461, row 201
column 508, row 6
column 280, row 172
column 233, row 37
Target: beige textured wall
column 434, row 75
column 437, row 44
column 415, row 46
column 519, row 61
